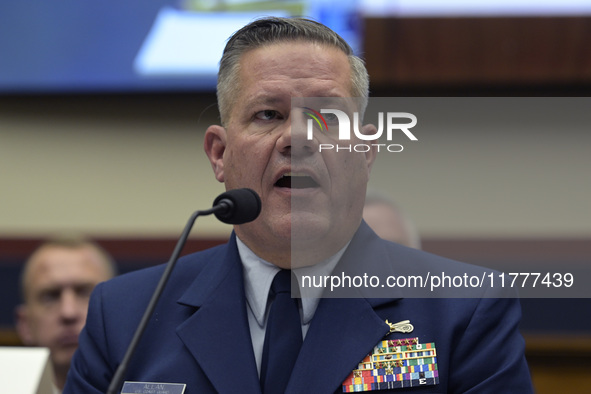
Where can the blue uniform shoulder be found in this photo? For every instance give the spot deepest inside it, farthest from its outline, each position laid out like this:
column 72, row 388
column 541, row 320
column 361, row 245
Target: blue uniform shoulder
column 141, row 283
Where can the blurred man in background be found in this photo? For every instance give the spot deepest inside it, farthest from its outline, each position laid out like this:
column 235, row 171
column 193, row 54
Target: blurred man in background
column 389, row 222
column 56, row 283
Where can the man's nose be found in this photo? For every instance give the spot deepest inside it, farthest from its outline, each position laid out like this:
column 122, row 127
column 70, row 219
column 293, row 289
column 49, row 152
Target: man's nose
column 296, row 138
column 70, row 305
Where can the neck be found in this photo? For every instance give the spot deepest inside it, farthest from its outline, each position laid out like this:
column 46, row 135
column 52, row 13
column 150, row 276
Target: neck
column 303, row 255
column 295, row 250
column 59, row 376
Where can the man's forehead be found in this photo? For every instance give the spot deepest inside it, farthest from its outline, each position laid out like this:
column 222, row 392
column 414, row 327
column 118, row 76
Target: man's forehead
column 300, row 57
column 271, row 85
column 64, row 261
column 266, row 74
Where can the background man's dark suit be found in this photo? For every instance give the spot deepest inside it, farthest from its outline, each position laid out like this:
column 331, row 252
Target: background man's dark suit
column 199, row 333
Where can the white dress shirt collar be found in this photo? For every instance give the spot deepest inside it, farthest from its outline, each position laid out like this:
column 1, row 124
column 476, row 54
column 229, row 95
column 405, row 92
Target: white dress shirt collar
column 259, row 274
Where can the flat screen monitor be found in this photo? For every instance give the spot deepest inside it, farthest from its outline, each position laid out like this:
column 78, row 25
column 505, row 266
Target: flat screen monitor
column 118, row 46
column 136, row 45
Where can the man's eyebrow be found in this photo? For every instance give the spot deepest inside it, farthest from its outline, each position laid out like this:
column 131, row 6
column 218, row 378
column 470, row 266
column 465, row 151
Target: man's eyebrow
column 333, row 102
column 330, row 100
column 263, row 100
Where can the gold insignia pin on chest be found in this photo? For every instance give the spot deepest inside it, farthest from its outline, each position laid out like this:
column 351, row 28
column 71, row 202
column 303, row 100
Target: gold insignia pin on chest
column 402, row 326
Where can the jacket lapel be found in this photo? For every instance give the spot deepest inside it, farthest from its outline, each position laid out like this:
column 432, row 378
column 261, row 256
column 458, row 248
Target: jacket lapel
column 217, row 334
column 344, row 330
column 342, row 333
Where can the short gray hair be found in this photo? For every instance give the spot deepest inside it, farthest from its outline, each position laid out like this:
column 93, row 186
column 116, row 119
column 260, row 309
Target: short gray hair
column 271, row 30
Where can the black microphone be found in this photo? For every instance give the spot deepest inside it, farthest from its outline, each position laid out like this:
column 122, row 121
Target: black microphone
column 243, row 206
column 235, row 206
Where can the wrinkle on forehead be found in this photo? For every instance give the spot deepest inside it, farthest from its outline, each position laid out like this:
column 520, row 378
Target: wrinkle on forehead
column 309, row 66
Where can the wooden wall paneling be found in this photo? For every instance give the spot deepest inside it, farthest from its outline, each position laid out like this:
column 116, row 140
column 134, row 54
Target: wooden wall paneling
column 478, row 51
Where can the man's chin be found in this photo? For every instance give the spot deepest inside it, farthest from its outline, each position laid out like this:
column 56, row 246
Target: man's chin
column 63, row 355
column 312, row 240
column 308, row 227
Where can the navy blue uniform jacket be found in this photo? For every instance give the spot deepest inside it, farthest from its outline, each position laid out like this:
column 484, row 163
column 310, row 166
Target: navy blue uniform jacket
column 199, row 333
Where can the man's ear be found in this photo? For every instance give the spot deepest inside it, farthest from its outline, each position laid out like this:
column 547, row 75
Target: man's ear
column 23, row 327
column 371, row 154
column 215, row 146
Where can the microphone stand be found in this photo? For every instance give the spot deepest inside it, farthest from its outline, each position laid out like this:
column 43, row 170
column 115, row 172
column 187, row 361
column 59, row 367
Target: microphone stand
column 120, row 373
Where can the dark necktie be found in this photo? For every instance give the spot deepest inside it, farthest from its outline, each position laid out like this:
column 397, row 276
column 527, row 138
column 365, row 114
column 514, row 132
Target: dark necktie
column 283, row 336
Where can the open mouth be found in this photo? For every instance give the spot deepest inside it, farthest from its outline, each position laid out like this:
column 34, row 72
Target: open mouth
column 294, row 180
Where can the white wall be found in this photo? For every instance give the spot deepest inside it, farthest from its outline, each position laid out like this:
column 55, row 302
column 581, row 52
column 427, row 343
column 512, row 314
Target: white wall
column 135, row 167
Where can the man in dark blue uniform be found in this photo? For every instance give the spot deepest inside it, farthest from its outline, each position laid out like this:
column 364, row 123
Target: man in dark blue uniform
column 218, row 327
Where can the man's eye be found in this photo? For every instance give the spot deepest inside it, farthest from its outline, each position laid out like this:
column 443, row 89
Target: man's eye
column 84, row 291
column 330, row 118
column 267, row 114
column 49, row 296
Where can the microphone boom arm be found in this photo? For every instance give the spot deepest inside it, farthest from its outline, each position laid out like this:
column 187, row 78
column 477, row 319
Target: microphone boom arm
column 120, row 372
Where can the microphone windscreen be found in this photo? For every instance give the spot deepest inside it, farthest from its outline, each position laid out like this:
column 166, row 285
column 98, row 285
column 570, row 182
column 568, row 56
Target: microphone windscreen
column 244, row 205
